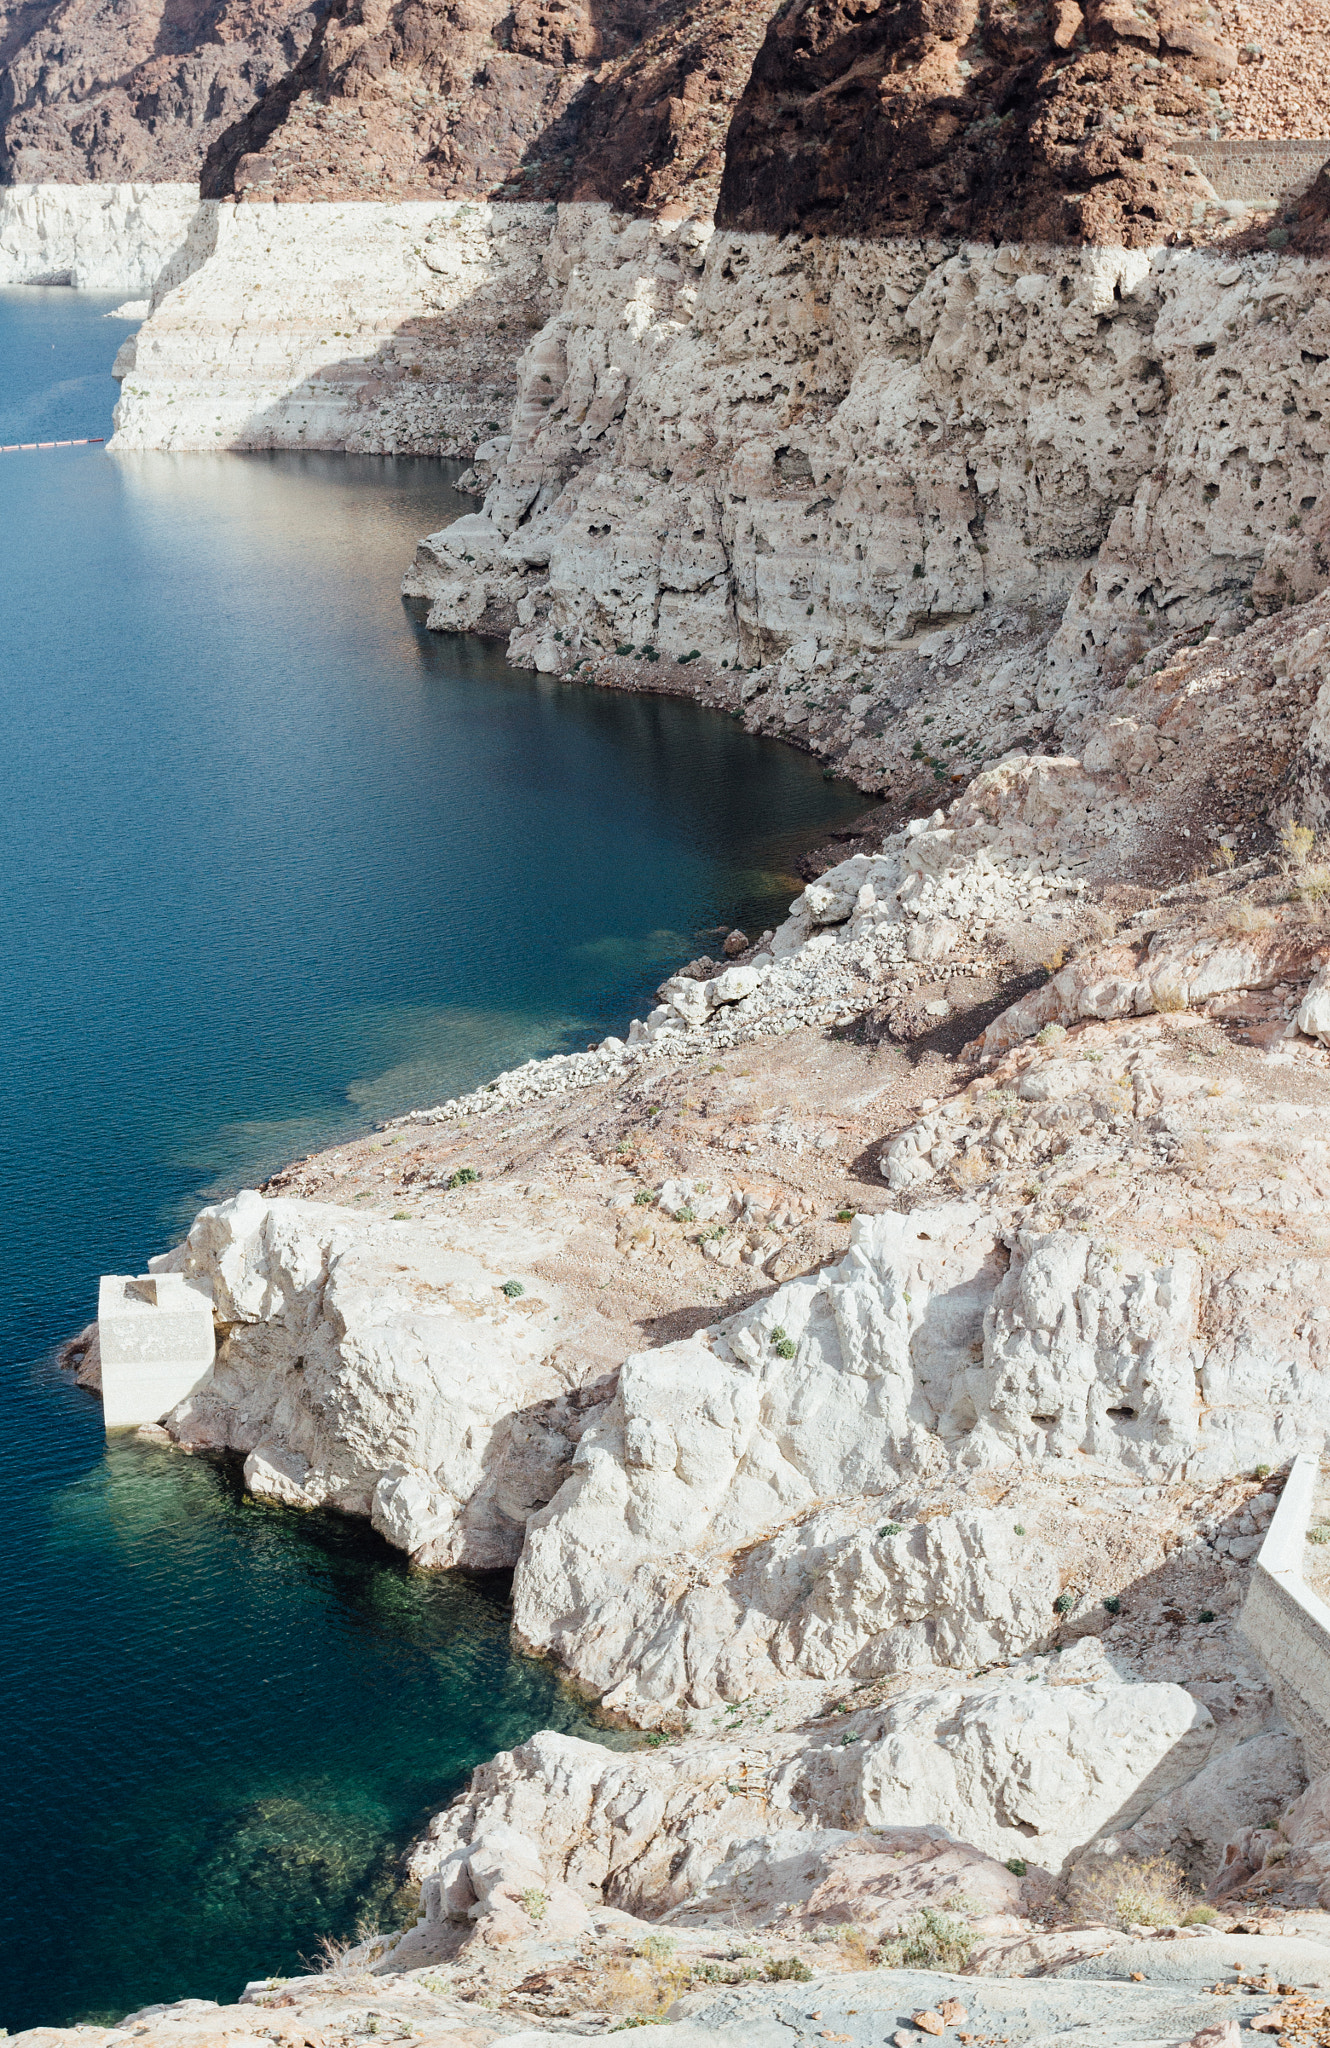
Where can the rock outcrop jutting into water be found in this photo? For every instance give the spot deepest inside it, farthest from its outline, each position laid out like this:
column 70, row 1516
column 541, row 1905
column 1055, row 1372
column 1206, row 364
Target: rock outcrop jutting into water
column 882, row 1367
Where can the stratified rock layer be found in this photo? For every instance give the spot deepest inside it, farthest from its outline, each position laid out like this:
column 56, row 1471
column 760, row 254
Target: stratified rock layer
column 95, row 237
column 372, row 328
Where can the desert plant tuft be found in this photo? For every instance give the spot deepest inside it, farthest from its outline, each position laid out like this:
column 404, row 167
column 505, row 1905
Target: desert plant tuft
column 788, row 1970
column 513, row 1288
column 929, row 1941
column 1321, row 1534
column 892, row 1529
column 536, row 1904
column 1148, row 1891
column 463, row 1177
column 1250, row 917
column 1052, row 1034
column 1206, row 1614
column 1064, row 1602
column 642, row 1200
column 1295, row 844
column 1017, row 1866
column 657, row 1948
column 1113, row 1603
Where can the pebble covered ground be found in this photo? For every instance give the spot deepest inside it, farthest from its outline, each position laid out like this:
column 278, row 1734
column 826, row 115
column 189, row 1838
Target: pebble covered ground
column 1282, row 84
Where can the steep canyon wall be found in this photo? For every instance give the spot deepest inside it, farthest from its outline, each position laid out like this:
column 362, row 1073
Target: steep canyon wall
column 368, row 327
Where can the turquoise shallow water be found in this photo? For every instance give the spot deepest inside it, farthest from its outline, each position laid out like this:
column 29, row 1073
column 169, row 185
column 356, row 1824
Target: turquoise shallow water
column 276, row 863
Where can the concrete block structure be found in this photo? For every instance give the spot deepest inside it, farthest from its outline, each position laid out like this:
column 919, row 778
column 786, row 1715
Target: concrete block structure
column 1286, row 1623
column 157, row 1344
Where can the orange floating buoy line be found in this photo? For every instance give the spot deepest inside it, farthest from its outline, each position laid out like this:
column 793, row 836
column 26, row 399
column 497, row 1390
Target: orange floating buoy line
column 22, row 447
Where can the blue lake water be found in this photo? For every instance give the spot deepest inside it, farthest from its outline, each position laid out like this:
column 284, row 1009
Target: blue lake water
column 276, row 863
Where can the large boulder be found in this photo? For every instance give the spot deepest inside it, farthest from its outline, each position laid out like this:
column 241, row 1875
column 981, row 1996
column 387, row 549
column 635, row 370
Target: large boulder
column 367, row 1365
column 713, row 1536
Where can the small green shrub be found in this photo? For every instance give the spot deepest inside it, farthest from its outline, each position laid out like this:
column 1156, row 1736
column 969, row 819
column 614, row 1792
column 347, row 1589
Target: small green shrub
column 401, row 1215
column 1052, row 1034
column 513, row 1288
column 844, row 1215
column 642, row 1200
column 930, row 1941
column 1261, row 1472
column 1016, row 1866
column 1018, row 1529
column 686, row 1216
column 657, row 1948
column 786, row 1348
column 536, row 1904
column 1321, row 1534
column 463, row 1177
column 892, row 1529
column 1206, row 1614
column 789, row 1970
column 1064, row 1602
column 1113, row 1603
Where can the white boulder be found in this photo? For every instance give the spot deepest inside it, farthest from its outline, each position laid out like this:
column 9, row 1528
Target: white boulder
column 369, row 1365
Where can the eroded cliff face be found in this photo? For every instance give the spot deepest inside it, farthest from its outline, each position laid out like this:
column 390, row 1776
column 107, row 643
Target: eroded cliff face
column 851, row 478
column 991, row 120
column 94, row 92
column 427, row 98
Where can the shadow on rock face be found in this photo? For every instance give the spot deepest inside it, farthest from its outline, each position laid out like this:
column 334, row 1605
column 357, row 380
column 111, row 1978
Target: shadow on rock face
column 995, row 121
column 619, row 100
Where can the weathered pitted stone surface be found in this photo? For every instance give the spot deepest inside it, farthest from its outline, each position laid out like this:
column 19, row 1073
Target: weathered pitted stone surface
column 93, row 92
column 362, row 327
column 805, row 453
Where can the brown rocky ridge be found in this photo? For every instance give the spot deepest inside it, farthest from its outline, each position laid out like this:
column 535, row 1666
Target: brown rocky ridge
column 432, row 99
column 93, row 92
column 997, row 121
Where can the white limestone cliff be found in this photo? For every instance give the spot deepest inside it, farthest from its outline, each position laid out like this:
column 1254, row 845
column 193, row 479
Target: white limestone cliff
column 693, row 1554
column 371, row 327
column 810, row 453
column 115, row 238
column 1011, row 1769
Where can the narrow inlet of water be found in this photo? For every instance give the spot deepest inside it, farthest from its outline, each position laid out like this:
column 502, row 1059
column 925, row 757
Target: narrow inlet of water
column 277, row 863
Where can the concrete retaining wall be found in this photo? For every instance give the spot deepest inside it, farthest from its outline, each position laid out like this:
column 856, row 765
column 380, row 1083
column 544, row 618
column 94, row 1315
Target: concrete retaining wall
column 1253, row 171
column 1286, row 1624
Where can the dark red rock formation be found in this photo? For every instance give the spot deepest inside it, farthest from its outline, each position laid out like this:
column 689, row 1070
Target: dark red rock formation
column 996, row 119
column 97, row 90
column 624, row 100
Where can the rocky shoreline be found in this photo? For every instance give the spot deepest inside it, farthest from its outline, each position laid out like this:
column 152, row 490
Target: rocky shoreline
column 881, row 1391
column 880, row 1369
